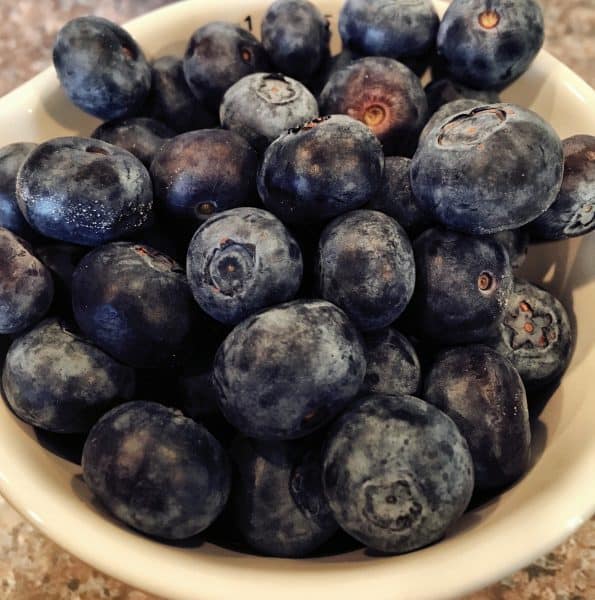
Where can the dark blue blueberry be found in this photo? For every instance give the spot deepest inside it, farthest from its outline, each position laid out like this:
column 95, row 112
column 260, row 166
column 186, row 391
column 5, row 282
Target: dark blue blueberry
column 458, row 182
column 392, row 29
column 483, row 394
column 385, row 95
column 573, row 212
column 397, row 472
column 296, row 36
column 101, row 68
column 140, row 136
column 199, row 173
column 26, row 286
column 462, row 286
column 240, row 261
column 516, row 243
column 288, row 370
column 156, row 470
column 443, row 91
column 277, row 500
column 536, row 335
column 445, row 112
column 134, row 303
column 302, row 181
column 59, row 381
column 366, row 267
column 84, row 191
column 262, row 106
column 219, row 54
column 487, row 44
column 392, row 364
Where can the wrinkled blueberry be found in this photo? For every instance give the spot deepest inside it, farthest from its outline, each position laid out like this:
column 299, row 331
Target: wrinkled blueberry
column 487, row 44
column 262, row 106
column 302, row 181
column 445, row 112
column 59, row 381
column 458, row 182
column 84, row 191
column 288, row 370
column 26, row 286
column 366, row 267
column 443, row 91
column 396, row 472
column 156, row 470
column 516, row 243
column 101, row 68
column 385, row 95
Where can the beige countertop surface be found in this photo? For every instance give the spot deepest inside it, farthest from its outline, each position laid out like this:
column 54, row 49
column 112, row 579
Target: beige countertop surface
column 34, row 568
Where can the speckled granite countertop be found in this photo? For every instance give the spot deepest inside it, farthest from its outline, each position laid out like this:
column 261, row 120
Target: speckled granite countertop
column 32, row 567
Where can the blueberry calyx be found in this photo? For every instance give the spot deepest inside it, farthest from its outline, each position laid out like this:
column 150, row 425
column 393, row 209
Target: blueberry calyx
column 489, row 19
column 231, row 267
column 471, row 127
column 530, row 329
column 309, row 125
column 276, row 89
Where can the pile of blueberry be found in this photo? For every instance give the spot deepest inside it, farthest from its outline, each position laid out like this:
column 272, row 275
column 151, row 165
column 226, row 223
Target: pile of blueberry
column 274, row 292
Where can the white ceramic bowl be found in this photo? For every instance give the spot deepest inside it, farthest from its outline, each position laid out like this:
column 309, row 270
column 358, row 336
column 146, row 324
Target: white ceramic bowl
column 550, row 502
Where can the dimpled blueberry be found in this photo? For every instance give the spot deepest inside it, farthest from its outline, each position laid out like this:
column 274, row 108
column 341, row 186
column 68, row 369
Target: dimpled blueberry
column 445, row 112
column 443, row 91
column 516, row 243
column 26, row 286
column 219, row 54
column 458, row 182
column 241, row 261
column 101, row 68
column 483, row 394
column 396, row 472
column 203, row 172
column 573, row 212
column 134, row 303
column 59, row 381
column 84, row 191
column 536, row 335
column 262, row 106
column 366, row 267
column 302, row 182
column 462, row 286
column 288, row 370
column 385, row 95
column 277, row 499
column 156, row 470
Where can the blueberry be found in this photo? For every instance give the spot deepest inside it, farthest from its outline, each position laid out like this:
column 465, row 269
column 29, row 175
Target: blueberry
column 156, row 470
column 516, row 243
column 443, row 91
column 392, row 29
column 536, row 335
column 445, row 112
column 219, row 54
column 458, row 182
column 134, row 303
column 385, row 95
column 392, row 364
column 396, row 472
column 140, row 136
column 573, row 212
column 483, row 394
column 101, row 68
column 302, row 182
column 59, row 381
column 26, row 287
column 288, row 370
column 366, row 267
column 262, row 106
column 277, row 500
column 199, row 173
column 84, row 191
column 462, row 286
column 487, row 44
column 240, row 261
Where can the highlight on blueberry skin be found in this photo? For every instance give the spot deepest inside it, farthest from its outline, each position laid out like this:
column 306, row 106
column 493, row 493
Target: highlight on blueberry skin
column 397, row 473
column 57, row 380
column 302, row 182
column 443, row 91
column 457, row 181
column 156, row 470
column 488, row 44
column 288, row 370
column 385, row 95
column 84, row 191
column 101, row 68
column 365, row 266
